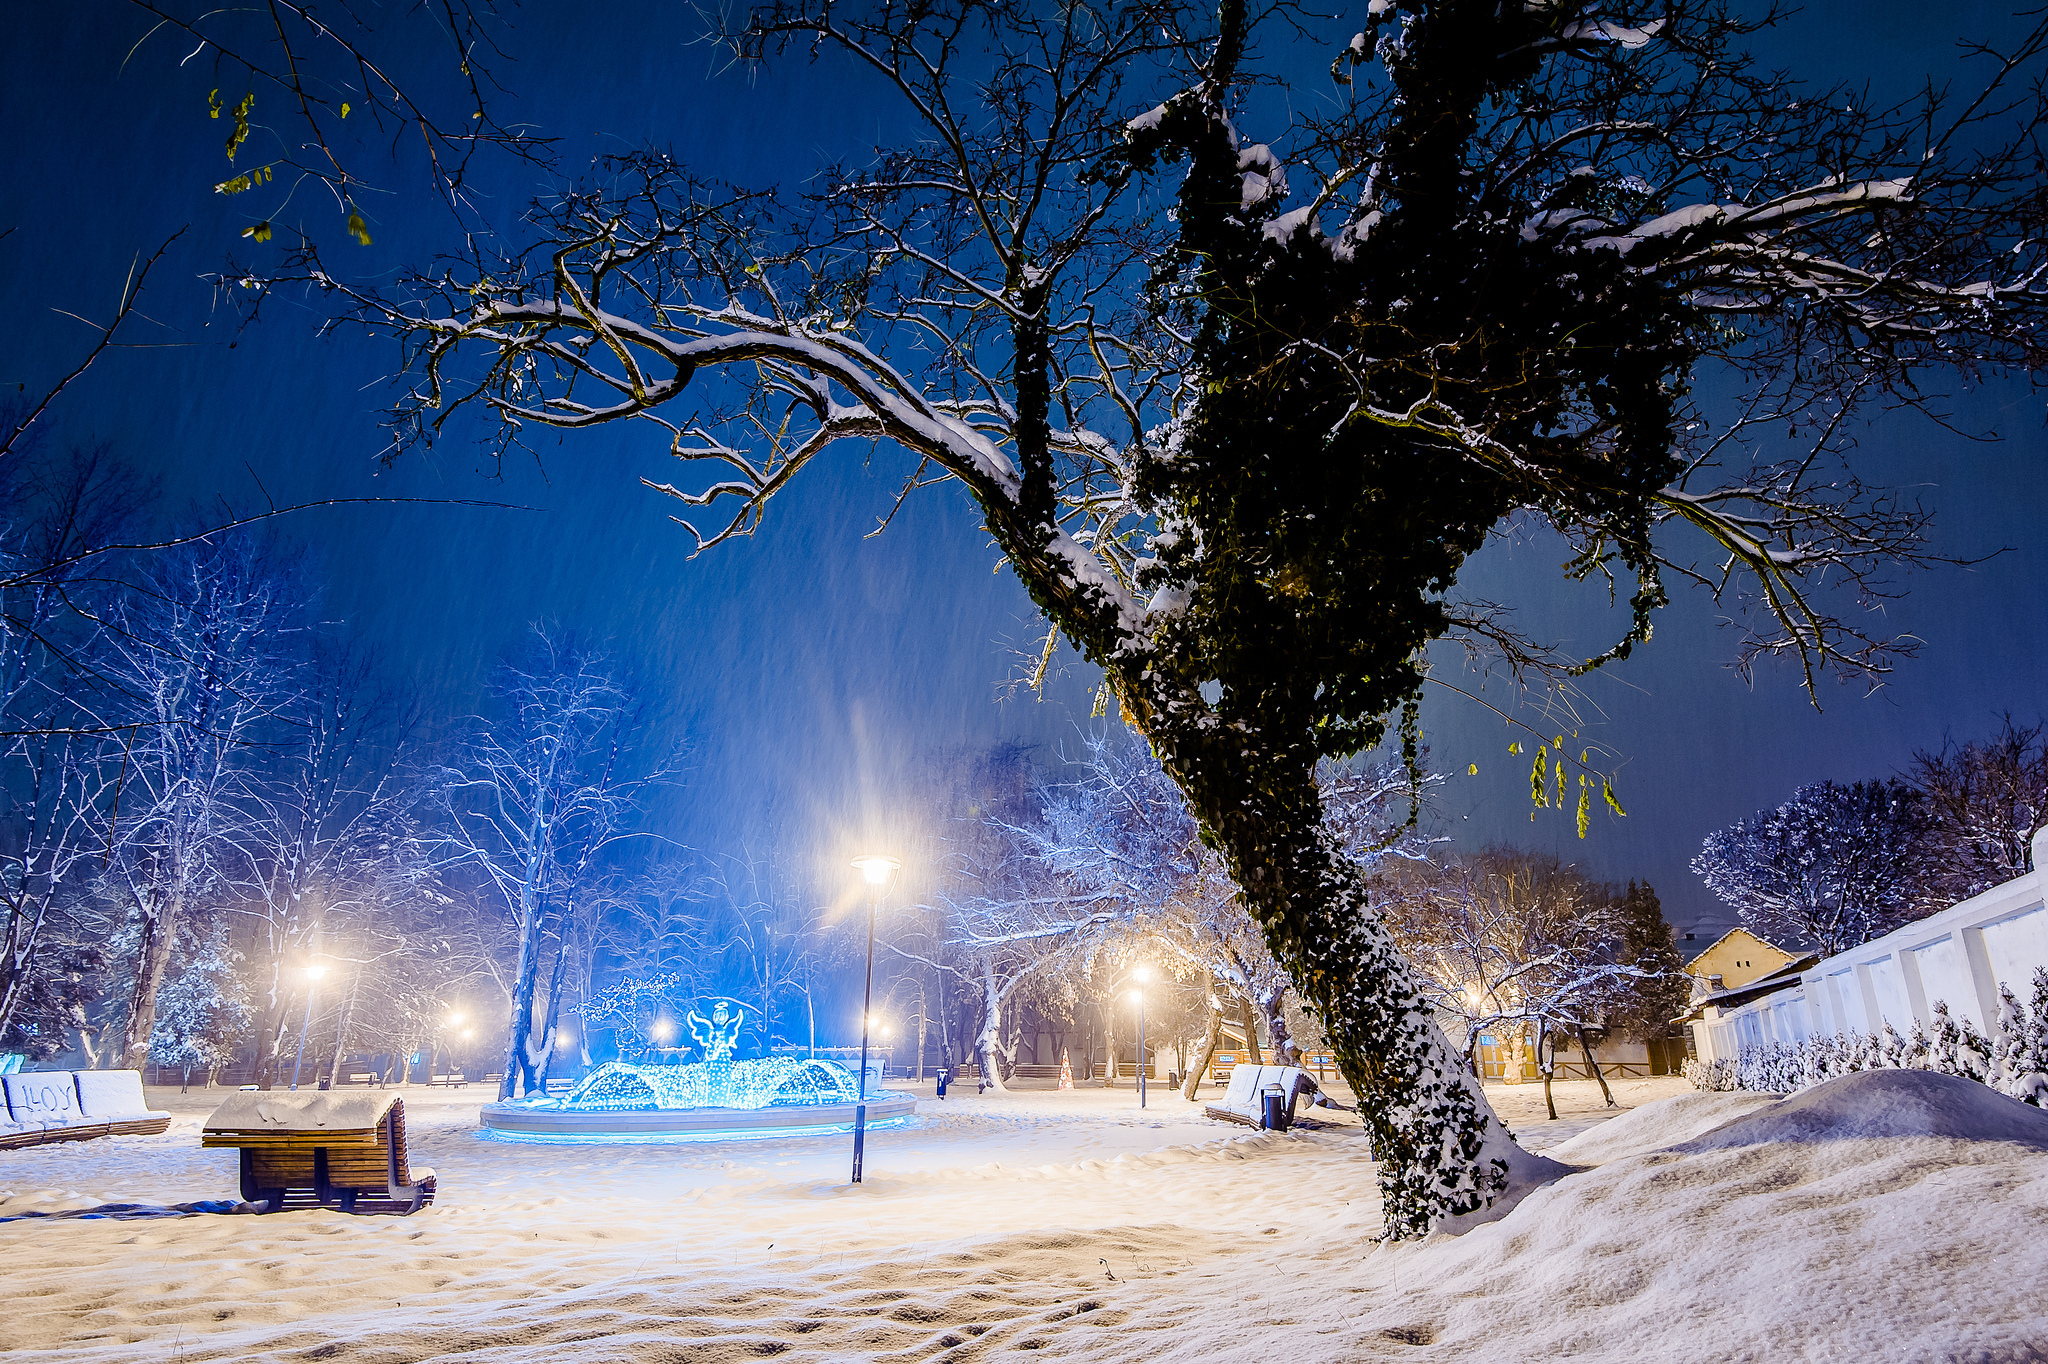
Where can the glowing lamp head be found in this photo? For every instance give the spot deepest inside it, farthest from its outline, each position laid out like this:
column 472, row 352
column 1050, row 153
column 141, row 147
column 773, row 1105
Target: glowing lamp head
column 661, row 1030
column 1142, row 974
column 876, row 869
column 315, row 971
column 454, row 1020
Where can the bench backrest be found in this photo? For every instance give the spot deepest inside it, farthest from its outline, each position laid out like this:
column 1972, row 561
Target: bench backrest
column 1248, row 1084
column 1244, row 1087
column 42, row 1095
column 110, row 1093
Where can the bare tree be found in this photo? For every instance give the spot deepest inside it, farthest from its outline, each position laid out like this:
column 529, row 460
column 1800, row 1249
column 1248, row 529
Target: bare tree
column 202, row 660
column 1518, row 944
column 331, row 834
column 1239, row 450
column 765, row 936
column 56, row 783
column 531, row 800
column 1835, row 866
column 1983, row 801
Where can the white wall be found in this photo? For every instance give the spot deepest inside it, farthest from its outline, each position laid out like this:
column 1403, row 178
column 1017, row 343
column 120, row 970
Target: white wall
column 1960, row 956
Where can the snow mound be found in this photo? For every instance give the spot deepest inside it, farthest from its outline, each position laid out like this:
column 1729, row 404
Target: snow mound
column 1655, row 1126
column 1883, row 1216
column 1879, row 1104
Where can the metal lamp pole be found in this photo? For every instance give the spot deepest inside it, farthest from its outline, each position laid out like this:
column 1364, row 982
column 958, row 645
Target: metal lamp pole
column 876, row 871
column 1142, row 975
column 313, row 974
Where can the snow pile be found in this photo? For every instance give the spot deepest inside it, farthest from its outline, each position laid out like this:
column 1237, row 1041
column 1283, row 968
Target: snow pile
column 1666, row 1122
column 1881, row 1104
column 1890, row 1215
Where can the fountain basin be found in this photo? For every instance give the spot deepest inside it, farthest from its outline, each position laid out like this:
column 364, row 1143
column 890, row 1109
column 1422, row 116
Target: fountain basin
column 518, row 1121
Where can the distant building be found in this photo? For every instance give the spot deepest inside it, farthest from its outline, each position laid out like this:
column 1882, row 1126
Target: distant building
column 1733, row 960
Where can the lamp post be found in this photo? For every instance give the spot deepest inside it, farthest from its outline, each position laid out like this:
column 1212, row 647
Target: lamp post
column 313, row 974
column 875, row 870
column 1141, row 975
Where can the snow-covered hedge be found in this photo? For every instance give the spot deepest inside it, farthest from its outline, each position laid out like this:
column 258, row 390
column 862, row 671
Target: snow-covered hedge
column 2014, row 1060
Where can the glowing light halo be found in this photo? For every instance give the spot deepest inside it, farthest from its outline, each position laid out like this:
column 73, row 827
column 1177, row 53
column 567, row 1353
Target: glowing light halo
column 876, row 868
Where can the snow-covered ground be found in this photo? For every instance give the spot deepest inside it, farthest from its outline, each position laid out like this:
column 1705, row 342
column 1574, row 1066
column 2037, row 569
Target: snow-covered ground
column 1896, row 1216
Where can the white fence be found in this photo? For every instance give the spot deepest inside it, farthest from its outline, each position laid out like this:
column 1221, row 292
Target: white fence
column 1960, row 956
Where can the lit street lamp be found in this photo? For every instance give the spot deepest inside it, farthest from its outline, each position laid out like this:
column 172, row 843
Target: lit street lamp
column 875, row 870
column 1141, row 975
column 312, row 974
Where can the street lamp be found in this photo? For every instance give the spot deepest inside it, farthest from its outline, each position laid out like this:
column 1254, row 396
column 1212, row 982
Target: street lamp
column 1141, row 975
column 875, row 870
column 312, row 974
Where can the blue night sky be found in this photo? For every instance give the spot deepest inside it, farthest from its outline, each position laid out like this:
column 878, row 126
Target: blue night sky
column 814, row 672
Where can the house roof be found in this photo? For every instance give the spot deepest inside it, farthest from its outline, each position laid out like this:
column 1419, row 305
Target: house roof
column 1725, row 937
column 1784, row 978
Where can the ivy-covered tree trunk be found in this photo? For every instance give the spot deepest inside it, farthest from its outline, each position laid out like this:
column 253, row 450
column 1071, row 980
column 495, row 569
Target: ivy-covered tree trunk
column 1442, row 1153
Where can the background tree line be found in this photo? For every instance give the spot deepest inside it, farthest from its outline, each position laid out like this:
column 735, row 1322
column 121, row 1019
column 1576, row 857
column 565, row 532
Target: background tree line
column 1841, row 863
column 1060, row 886
column 225, row 835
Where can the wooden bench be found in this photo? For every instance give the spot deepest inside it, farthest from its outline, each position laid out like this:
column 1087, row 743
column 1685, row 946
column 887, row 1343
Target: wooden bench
column 312, row 1150
column 57, row 1105
column 1246, row 1103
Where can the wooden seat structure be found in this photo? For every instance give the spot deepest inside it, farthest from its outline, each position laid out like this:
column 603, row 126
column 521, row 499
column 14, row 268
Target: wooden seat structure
column 316, row 1150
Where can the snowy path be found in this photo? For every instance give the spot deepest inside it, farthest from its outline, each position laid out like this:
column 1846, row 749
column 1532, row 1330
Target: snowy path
column 1070, row 1225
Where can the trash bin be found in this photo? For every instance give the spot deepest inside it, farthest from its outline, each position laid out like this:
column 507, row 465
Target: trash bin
column 1275, row 1109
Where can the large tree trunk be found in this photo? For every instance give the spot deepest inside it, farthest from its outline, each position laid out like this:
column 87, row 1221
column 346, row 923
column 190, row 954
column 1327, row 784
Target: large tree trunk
column 1192, row 1086
column 988, row 1045
column 1594, row 1067
column 1516, row 1049
column 153, row 959
column 517, row 1072
column 1443, row 1155
column 1109, row 1046
column 1273, row 1004
column 546, row 1060
column 1251, row 1031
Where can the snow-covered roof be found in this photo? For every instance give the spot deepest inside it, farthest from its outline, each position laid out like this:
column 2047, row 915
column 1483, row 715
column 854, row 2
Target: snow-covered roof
column 1724, row 938
column 1784, row 978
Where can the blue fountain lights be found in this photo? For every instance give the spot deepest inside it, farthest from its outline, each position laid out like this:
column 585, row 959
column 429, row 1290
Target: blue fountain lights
column 717, row 1081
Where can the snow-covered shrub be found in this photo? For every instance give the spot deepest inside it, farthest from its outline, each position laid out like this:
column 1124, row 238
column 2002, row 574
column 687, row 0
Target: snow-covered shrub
column 2019, row 1064
column 1711, row 1075
column 2013, row 1060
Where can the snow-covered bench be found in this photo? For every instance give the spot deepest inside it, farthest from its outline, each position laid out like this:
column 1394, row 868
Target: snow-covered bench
column 62, row 1105
column 314, row 1149
column 1245, row 1100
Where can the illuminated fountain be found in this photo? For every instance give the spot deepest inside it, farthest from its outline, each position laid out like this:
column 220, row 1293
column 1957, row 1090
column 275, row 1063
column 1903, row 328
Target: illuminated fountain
column 718, row 1097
